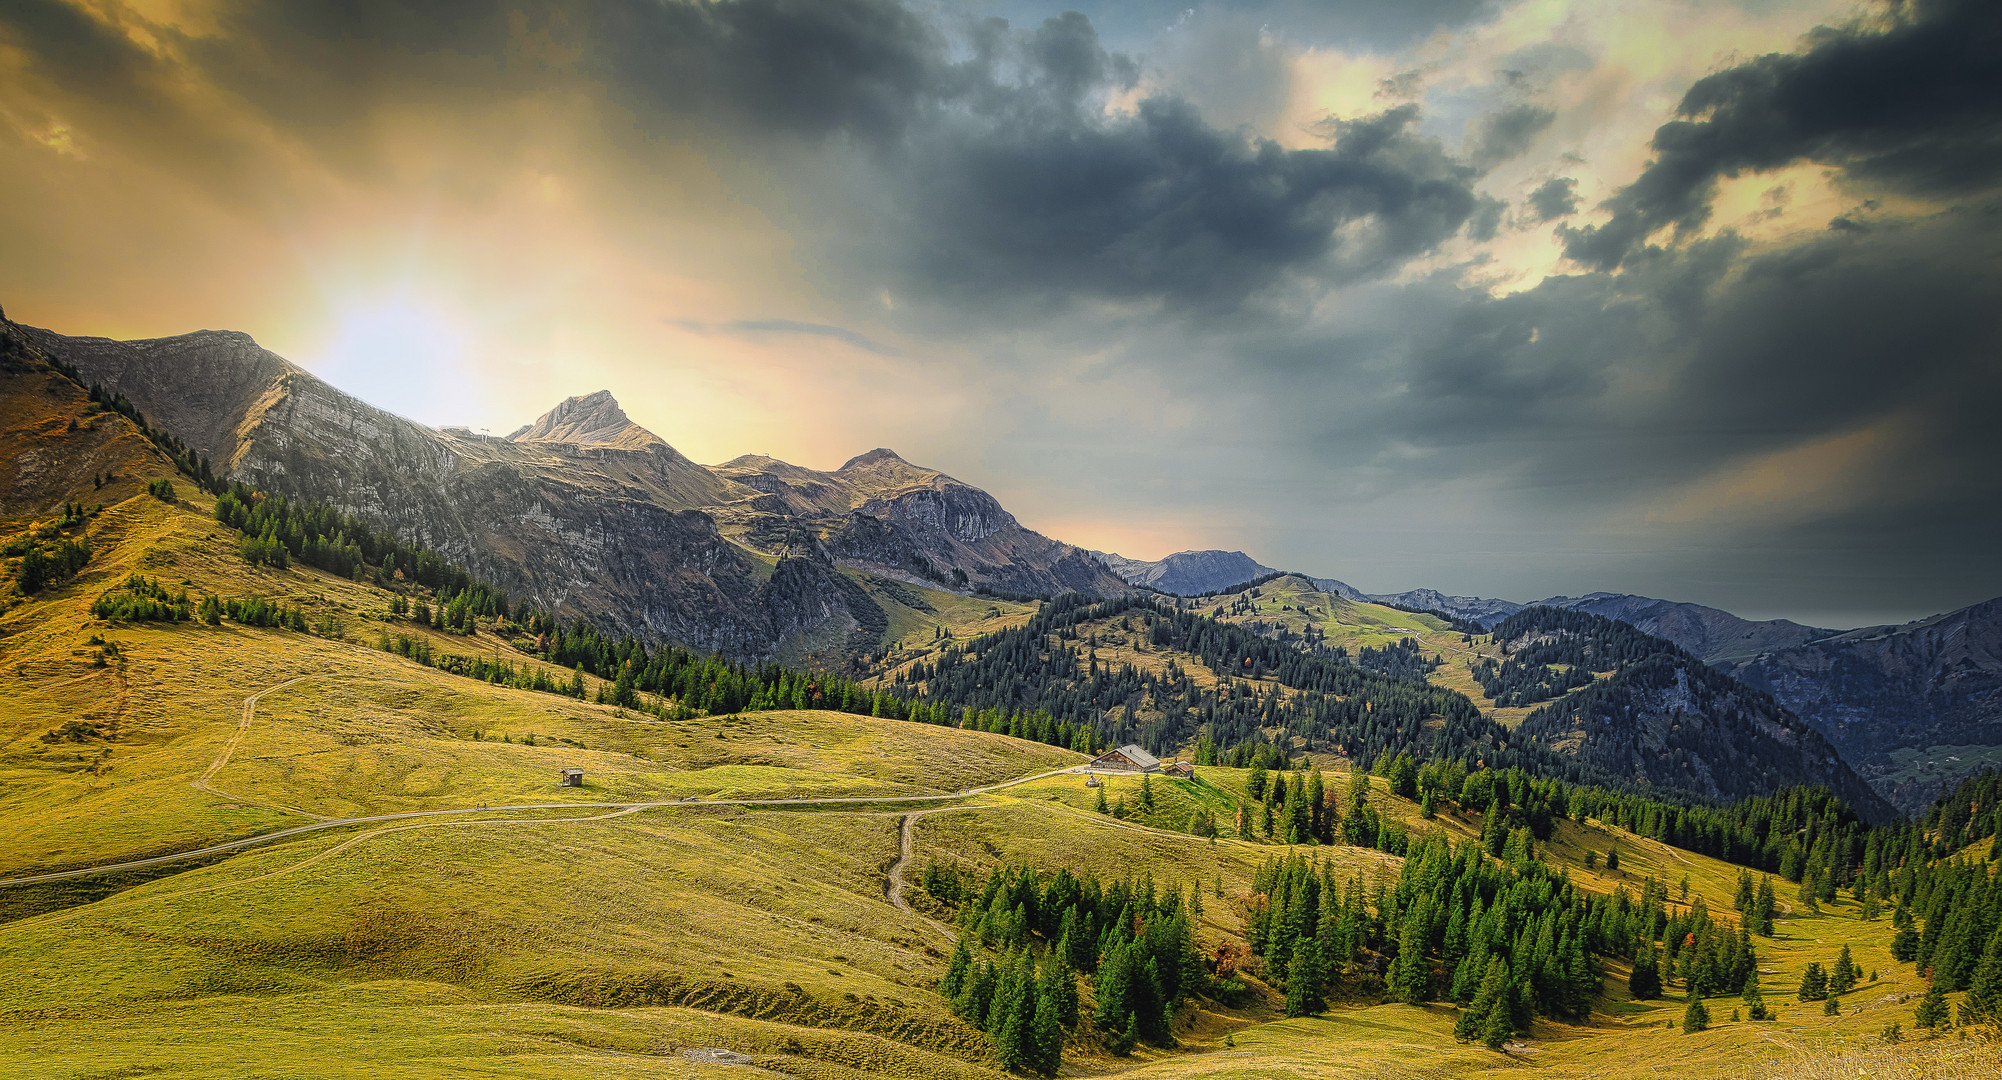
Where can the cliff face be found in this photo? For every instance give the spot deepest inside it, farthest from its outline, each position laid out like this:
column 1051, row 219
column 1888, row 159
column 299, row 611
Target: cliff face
column 587, row 513
column 1663, row 718
column 1927, row 692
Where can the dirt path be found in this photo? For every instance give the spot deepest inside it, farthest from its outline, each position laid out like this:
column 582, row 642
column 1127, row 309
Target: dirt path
column 893, row 883
column 335, row 823
column 229, row 749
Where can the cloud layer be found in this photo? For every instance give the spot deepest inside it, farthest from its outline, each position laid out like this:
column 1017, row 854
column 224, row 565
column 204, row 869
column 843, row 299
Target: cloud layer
column 1412, row 295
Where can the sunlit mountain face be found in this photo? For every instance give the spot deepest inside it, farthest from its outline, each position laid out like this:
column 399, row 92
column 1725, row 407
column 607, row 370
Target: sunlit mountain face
column 1693, row 300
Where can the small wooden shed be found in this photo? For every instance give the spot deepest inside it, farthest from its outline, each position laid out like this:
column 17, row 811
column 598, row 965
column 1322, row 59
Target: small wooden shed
column 1128, row 758
column 573, row 778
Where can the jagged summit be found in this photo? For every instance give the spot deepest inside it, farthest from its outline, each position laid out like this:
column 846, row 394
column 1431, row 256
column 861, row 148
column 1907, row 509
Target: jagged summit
column 589, row 420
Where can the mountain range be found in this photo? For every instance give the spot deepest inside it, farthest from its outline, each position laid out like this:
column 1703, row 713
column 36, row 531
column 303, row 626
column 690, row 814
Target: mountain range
column 585, row 512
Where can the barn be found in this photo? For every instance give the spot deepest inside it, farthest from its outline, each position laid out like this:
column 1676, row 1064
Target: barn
column 1128, row 758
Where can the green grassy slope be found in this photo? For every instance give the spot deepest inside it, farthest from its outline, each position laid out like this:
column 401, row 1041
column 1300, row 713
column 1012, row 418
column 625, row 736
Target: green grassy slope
column 605, row 941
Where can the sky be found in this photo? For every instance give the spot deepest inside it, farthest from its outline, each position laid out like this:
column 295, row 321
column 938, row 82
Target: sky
column 1693, row 300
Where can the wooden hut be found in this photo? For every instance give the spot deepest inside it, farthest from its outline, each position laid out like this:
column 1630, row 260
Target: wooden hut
column 1128, row 758
column 573, row 778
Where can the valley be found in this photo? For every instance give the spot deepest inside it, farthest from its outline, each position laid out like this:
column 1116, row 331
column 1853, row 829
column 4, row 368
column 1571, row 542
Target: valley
column 718, row 881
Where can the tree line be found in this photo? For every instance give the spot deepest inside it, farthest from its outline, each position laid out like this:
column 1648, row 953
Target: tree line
column 1026, row 937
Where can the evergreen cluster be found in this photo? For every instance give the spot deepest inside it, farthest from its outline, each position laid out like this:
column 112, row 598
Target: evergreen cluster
column 140, row 599
column 1560, row 652
column 1968, row 814
column 47, row 563
column 1329, row 703
column 278, row 530
column 1797, row 832
column 1134, row 941
column 161, row 489
column 1504, row 938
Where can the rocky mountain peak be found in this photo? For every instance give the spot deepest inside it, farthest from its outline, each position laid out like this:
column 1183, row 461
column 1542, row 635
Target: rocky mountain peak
column 588, row 420
column 878, row 456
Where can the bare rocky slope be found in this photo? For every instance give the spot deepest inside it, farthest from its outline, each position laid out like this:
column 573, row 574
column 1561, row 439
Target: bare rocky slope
column 587, row 513
column 1934, row 683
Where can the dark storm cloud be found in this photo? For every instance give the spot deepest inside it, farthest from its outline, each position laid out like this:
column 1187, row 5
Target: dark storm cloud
column 1507, row 133
column 1557, row 197
column 990, row 169
column 1160, row 205
column 1000, row 177
column 1916, row 107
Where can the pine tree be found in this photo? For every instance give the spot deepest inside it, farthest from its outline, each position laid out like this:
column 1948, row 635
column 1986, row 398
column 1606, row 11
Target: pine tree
column 1984, row 990
column 1613, row 861
column 1645, row 982
column 1697, row 1016
column 1842, row 977
column 1046, row 1031
column 1147, row 793
column 1410, row 975
column 1100, row 805
column 1497, row 1025
column 1762, row 908
column 956, row 970
column 1755, row 1002
column 1302, row 996
column 1905, row 938
column 1012, row 1013
column 1061, row 988
column 1813, row 983
column 1932, row 1009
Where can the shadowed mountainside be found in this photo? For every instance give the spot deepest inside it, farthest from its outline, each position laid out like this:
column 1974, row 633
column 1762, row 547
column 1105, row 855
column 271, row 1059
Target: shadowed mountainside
column 585, row 512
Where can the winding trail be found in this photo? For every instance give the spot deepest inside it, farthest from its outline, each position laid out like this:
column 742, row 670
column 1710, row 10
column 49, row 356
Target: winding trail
column 322, row 822
column 229, row 749
column 893, row 883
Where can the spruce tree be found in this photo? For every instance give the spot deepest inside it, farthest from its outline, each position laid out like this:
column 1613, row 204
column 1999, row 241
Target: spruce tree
column 1932, row 1009
column 1842, row 977
column 1984, row 990
column 1410, row 975
column 1755, row 1002
column 1696, row 1016
column 1645, row 982
column 1813, row 983
column 1303, row 998
column 1100, row 805
column 1762, row 908
column 1497, row 1025
column 1046, row 1031
column 1905, row 936
column 956, row 970
column 1613, row 861
column 1012, row 1012
column 1477, row 1020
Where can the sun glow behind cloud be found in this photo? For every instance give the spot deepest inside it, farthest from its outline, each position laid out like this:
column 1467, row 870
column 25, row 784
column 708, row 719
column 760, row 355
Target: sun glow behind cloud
column 467, row 219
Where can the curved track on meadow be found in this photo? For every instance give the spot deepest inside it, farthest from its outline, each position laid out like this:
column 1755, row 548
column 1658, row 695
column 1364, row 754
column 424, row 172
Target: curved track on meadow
column 249, row 711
